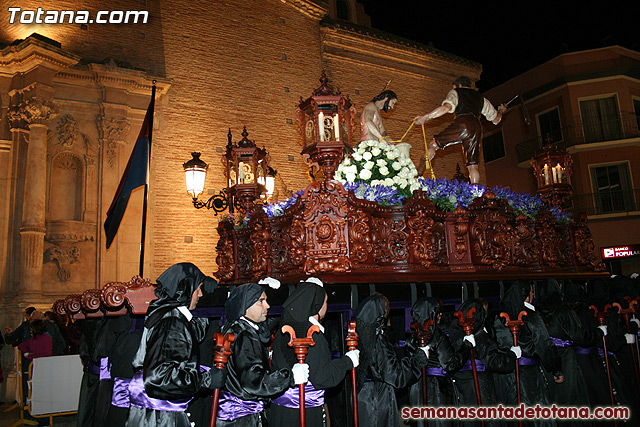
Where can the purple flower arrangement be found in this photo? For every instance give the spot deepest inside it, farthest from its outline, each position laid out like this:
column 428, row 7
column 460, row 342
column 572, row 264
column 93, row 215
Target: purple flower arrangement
column 446, row 194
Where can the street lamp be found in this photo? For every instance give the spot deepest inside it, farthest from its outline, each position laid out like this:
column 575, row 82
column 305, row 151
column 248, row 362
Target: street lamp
column 247, row 172
column 195, row 171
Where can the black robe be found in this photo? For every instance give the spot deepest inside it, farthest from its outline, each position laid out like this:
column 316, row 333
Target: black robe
column 90, row 379
column 324, row 373
column 249, row 376
column 563, row 325
column 486, row 353
column 124, row 350
column 169, row 359
column 535, row 343
column 381, row 372
column 386, row 373
column 440, row 390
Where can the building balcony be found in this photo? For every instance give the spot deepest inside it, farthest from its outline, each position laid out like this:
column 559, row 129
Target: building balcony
column 582, row 133
column 612, row 203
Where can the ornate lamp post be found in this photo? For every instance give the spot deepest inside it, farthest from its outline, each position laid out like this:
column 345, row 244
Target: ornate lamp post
column 326, row 126
column 552, row 169
column 246, row 169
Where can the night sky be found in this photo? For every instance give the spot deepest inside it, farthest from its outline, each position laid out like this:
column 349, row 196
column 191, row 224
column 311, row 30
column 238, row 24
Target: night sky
column 508, row 40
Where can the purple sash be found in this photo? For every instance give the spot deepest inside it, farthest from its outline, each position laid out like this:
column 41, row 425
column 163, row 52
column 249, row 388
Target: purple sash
column 584, row 350
column 291, row 397
column 231, row 407
column 93, row 368
column 479, row 366
column 560, row 342
column 436, row 372
column 601, row 352
column 528, row 361
column 140, row 398
column 120, row 395
column 105, row 369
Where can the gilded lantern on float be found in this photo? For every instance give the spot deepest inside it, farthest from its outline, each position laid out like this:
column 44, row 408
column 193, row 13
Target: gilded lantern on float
column 325, row 125
column 246, row 170
column 552, row 167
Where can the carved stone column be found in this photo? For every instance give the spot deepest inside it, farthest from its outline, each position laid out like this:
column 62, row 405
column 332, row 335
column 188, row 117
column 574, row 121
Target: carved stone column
column 37, row 113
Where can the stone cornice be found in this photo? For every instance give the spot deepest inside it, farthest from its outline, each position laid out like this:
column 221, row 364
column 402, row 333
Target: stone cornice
column 346, row 33
column 308, row 8
column 31, row 53
column 136, row 82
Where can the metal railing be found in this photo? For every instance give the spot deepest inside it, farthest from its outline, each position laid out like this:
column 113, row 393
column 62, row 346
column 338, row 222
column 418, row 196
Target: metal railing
column 579, row 132
column 607, row 202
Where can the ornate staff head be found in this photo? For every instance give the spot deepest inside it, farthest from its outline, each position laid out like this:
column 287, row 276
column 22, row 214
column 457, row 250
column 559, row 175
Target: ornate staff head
column 222, row 349
column 352, row 335
column 466, row 322
column 513, row 325
column 600, row 315
column 423, row 333
column 300, row 345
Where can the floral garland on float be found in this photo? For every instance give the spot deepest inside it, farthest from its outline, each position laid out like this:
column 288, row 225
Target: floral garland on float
column 382, row 173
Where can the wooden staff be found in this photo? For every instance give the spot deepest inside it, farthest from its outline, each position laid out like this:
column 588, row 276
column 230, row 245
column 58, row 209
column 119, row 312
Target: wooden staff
column 627, row 313
column 423, row 336
column 467, row 325
column 352, row 344
column 514, row 327
column 221, row 353
column 601, row 316
column 301, row 347
column 633, row 304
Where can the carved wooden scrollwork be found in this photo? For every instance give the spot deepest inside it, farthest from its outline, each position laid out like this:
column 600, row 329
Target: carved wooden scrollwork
column 390, row 240
column 360, row 241
column 90, row 300
column 245, row 254
column 583, row 245
column 113, row 295
column 73, row 304
column 280, row 243
column 226, row 253
column 491, row 231
column 525, row 252
column 260, row 239
column 552, row 240
column 325, row 228
column 58, row 307
column 427, row 241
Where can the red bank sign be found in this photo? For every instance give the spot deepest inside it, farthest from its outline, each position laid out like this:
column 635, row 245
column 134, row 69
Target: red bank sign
column 620, row 251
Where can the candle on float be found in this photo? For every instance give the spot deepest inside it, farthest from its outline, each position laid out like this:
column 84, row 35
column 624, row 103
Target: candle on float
column 241, row 173
column 555, row 174
column 321, row 125
column 560, row 172
column 336, row 127
column 546, row 174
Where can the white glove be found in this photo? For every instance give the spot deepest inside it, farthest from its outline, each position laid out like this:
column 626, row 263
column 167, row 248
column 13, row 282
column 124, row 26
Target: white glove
column 517, row 351
column 426, row 349
column 636, row 320
column 354, row 355
column 631, row 339
column 603, row 328
column 300, row 373
column 470, row 339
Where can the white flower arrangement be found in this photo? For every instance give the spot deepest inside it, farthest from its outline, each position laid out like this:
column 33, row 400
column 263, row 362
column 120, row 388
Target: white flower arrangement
column 379, row 163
